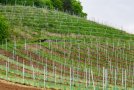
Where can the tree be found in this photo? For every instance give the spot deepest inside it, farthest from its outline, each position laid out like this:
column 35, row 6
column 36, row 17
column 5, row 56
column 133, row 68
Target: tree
column 76, row 7
column 58, row 4
column 4, row 26
column 20, row 2
column 42, row 3
column 67, row 5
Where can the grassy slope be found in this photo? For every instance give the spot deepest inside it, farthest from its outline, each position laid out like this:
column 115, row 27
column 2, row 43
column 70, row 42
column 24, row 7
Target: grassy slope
column 105, row 44
column 33, row 20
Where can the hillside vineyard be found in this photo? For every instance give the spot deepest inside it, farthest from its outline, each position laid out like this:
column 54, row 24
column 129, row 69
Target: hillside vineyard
column 51, row 49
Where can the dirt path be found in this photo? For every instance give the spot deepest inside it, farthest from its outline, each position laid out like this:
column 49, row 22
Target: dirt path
column 5, row 85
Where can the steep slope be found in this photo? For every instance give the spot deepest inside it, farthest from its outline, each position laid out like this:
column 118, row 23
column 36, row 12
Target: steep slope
column 30, row 22
column 55, row 50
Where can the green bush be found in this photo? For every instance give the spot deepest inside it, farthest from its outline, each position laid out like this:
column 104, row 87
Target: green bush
column 4, row 27
column 76, row 7
column 42, row 3
column 58, row 4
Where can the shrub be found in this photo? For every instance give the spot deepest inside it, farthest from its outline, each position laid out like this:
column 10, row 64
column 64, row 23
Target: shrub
column 41, row 3
column 4, row 26
column 58, row 4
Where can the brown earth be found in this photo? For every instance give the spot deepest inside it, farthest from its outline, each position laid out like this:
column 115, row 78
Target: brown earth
column 5, row 85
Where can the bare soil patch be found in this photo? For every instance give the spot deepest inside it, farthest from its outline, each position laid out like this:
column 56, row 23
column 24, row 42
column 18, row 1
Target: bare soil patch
column 5, row 85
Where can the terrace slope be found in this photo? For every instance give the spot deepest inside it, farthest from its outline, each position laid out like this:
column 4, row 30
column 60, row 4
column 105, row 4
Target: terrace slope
column 52, row 49
column 36, row 23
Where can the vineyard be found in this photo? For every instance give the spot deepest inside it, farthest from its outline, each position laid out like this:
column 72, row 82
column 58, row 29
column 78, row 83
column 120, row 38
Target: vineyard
column 55, row 50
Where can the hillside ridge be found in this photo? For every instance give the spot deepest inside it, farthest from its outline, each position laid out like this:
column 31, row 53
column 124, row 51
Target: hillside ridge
column 52, row 49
